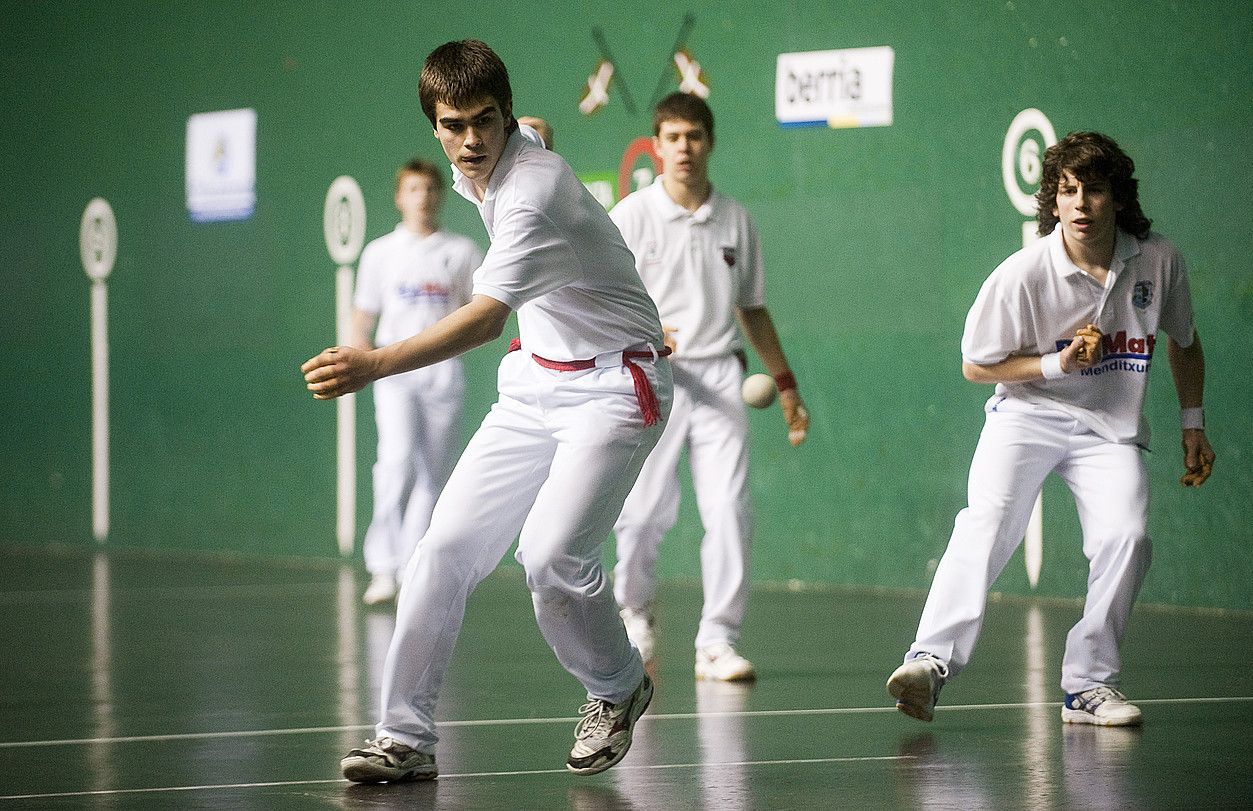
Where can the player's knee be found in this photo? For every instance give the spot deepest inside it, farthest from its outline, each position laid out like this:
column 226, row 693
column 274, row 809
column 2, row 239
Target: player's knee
column 552, row 574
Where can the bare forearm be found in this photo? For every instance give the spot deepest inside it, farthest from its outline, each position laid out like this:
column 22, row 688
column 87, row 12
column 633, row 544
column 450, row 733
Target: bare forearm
column 476, row 323
column 1187, row 366
column 1015, row 369
column 362, row 332
column 759, row 329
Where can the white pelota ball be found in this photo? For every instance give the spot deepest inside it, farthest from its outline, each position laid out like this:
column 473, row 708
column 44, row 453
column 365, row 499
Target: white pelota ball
column 759, row 390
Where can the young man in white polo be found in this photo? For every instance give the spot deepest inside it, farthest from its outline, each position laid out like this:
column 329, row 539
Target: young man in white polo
column 1066, row 328
column 580, row 407
column 409, row 279
column 699, row 255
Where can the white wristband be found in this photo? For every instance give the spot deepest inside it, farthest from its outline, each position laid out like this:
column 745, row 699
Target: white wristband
column 1192, row 418
column 1051, row 366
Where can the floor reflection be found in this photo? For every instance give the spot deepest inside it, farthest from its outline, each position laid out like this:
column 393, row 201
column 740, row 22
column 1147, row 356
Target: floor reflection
column 720, row 732
column 1096, row 761
column 1042, row 717
column 99, row 754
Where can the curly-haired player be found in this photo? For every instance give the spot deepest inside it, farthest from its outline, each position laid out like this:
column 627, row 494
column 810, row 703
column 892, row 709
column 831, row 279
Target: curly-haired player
column 1099, row 270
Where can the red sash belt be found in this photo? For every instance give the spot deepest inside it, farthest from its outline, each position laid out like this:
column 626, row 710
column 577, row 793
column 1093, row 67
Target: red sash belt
column 644, row 394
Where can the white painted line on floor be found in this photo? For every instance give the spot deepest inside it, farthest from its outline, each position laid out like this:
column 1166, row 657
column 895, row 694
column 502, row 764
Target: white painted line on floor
column 465, row 775
column 652, row 717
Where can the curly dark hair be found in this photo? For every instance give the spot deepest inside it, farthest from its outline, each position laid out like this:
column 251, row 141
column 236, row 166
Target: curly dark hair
column 1089, row 156
column 460, row 73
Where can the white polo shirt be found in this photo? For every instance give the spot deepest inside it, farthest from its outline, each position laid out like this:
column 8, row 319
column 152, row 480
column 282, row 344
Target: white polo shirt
column 1036, row 300
column 557, row 259
column 410, row 281
column 699, row 266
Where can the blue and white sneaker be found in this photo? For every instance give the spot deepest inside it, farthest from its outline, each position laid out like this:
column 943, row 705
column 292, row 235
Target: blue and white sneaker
column 916, row 685
column 1103, row 706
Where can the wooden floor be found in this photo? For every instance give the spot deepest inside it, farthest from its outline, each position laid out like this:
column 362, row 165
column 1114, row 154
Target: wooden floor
column 134, row 680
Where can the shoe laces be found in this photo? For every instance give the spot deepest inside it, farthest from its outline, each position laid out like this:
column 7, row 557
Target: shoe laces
column 940, row 666
column 597, row 719
column 1099, row 695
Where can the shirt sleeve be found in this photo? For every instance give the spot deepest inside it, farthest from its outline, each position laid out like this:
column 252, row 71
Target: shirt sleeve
column 752, row 293
column 528, row 257
column 995, row 324
column 368, row 295
column 463, row 279
column 1177, row 319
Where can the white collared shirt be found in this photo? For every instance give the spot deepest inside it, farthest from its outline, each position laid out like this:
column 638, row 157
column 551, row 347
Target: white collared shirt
column 410, row 281
column 1036, row 300
column 699, row 266
column 557, row 259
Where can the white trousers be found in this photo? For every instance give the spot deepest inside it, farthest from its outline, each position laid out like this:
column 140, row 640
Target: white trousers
column 550, row 465
column 419, row 423
column 709, row 420
column 1019, row 446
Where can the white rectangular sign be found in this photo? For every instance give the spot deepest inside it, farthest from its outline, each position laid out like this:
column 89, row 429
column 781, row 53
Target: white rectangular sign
column 838, row 89
column 222, row 165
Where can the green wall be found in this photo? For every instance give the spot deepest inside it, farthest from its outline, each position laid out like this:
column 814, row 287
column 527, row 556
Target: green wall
column 876, row 242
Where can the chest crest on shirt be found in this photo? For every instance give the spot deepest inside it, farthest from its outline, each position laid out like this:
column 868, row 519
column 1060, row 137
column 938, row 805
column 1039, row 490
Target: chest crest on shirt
column 1142, row 294
column 728, row 255
column 650, row 255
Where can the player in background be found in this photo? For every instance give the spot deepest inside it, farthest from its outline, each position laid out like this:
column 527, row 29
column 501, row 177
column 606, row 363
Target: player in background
column 408, row 280
column 541, row 127
column 699, row 255
column 580, row 407
column 1070, row 402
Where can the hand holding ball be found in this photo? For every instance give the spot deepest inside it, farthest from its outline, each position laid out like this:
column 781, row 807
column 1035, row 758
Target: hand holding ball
column 759, row 390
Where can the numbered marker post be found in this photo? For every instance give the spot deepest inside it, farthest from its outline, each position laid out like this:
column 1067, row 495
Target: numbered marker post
column 343, row 223
column 97, row 245
column 1022, row 168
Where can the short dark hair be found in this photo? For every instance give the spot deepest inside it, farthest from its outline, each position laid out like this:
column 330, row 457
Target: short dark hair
column 1091, row 156
column 421, row 166
column 684, row 107
column 459, row 74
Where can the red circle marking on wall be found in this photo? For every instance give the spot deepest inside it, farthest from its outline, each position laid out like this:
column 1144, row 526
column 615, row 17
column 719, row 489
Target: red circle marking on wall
column 640, row 146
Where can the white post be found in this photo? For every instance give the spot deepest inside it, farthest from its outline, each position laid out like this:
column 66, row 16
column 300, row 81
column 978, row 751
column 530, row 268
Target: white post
column 97, row 245
column 343, row 223
column 1022, row 166
column 345, row 425
column 99, row 410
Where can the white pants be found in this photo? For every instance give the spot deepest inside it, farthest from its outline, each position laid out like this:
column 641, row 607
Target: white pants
column 419, row 423
column 550, row 465
column 1019, row 446
column 708, row 419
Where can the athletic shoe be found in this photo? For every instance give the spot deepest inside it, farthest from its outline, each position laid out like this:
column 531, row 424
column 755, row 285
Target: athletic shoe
column 916, row 685
column 1103, row 706
column 382, row 589
column 386, row 760
column 721, row 663
column 603, row 736
column 639, row 627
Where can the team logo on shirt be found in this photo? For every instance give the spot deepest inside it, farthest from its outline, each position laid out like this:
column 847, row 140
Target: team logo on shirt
column 728, row 255
column 413, row 293
column 1142, row 294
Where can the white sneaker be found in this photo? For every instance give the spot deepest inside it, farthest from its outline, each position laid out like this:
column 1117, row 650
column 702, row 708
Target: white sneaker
column 639, row 624
column 603, row 735
column 1103, row 706
column 721, row 663
column 916, row 685
column 382, row 589
column 385, row 760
